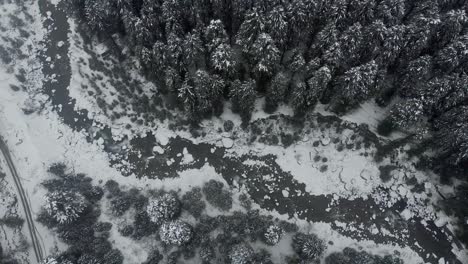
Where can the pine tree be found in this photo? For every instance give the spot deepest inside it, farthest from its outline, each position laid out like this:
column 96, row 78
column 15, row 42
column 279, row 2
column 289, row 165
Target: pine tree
column 192, row 49
column 215, row 35
column 175, row 51
column 351, row 41
column 408, row 114
column 208, row 91
column 357, row 84
column 101, row 15
column 452, row 24
column 222, row 60
column 172, row 79
column 250, row 30
column 186, row 95
column 416, row 72
column 324, row 39
column 243, row 97
column 391, row 12
column 276, row 91
column 452, row 136
column 277, row 25
column 64, row 206
column 159, row 60
column 266, row 56
column 453, row 55
column 297, row 62
column 298, row 96
column 317, row 84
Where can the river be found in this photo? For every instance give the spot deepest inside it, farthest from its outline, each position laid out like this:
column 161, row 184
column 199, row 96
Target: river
column 429, row 241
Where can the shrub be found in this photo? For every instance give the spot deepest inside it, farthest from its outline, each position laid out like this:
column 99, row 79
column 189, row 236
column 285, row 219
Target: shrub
column 175, row 233
column 193, row 203
column 154, row 257
column 65, row 206
column 217, row 196
column 162, row 208
column 143, row 226
column 112, row 187
column 120, row 204
column 241, row 254
column 228, row 125
column 308, row 246
column 272, row 234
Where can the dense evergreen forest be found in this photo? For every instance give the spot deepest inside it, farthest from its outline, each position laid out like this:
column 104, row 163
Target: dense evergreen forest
column 411, row 55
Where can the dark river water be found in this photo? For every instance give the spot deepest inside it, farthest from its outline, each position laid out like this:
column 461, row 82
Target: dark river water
column 429, row 241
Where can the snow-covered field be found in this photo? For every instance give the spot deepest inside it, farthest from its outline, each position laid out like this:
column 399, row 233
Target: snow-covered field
column 39, row 139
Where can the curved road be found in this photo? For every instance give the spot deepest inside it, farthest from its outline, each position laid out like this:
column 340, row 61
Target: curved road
column 24, row 201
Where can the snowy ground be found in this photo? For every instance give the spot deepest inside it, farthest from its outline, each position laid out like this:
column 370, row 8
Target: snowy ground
column 39, row 139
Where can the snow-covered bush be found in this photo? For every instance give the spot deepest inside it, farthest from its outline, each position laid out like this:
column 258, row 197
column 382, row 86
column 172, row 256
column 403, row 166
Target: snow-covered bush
column 272, row 234
column 217, row 196
column 114, row 256
column 50, row 260
column 350, row 255
column 88, row 259
column 154, row 257
column 193, row 203
column 64, row 206
column 241, row 254
column 164, row 207
column 175, row 232
column 120, row 204
column 207, row 253
column 308, row 246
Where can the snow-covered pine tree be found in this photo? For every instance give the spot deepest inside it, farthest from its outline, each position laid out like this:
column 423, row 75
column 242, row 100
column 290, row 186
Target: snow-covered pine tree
column 162, row 208
column 417, row 71
column 390, row 11
column 175, row 232
column 452, row 24
column 317, row 84
column 452, row 135
column 297, row 63
column 208, row 91
column 251, row 28
column 159, row 60
column 243, row 95
column 276, row 91
column 277, row 25
column 175, row 51
column 64, row 206
column 266, row 56
column 172, row 79
column 102, row 15
column 357, row 85
column 193, row 49
column 188, row 99
column 351, row 42
column 222, row 60
column 215, row 35
column 298, row 96
column 408, row 114
column 452, row 56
